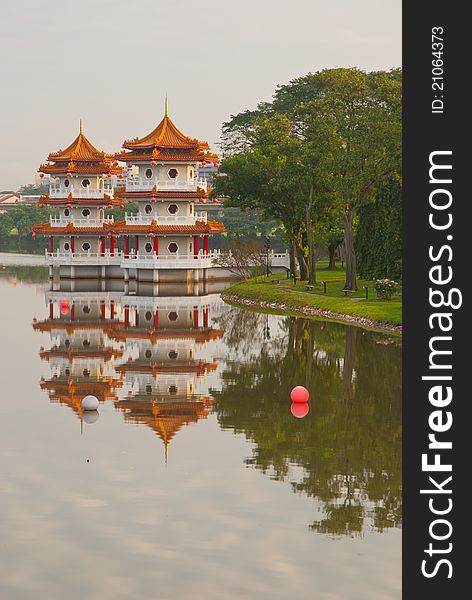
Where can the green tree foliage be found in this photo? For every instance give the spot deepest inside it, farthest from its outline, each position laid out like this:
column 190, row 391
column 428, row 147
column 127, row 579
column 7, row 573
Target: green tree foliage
column 349, row 444
column 347, row 124
column 32, row 189
column 16, row 225
column 379, row 235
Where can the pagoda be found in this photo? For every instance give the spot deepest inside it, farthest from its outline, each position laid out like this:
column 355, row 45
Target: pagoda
column 83, row 352
column 166, row 369
column 167, row 239
column 81, row 238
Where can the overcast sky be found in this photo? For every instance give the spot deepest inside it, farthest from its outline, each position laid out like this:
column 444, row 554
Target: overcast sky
column 111, row 62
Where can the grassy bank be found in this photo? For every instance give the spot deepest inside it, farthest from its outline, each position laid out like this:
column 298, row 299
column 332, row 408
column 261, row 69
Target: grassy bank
column 281, row 292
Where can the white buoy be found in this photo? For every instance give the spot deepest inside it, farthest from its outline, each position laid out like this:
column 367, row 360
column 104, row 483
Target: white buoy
column 90, row 416
column 89, row 403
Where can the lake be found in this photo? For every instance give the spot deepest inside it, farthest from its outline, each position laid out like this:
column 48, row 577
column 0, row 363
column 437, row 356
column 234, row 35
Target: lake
column 194, row 479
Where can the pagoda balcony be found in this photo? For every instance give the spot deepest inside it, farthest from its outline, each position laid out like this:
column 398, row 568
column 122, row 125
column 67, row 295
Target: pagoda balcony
column 86, row 222
column 58, row 258
column 169, row 261
column 138, row 184
column 60, row 191
column 142, row 219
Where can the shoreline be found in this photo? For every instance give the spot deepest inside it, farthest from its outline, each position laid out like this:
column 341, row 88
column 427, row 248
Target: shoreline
column 311, row 311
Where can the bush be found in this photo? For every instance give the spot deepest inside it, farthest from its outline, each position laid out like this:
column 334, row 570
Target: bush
column 385, row 288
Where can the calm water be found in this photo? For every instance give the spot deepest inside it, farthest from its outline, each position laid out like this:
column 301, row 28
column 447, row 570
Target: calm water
column 194, row 480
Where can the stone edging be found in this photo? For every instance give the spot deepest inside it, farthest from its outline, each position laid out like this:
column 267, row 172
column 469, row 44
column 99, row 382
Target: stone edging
column 313, row 312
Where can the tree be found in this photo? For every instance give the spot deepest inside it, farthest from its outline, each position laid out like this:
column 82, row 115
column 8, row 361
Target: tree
column 364, row 111
column 358, row 116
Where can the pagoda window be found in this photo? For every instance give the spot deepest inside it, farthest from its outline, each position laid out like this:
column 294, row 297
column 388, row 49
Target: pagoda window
column 86, row 343
column 67, row 343
column 173, row 173
column 191, row 209
column 148, row 354
column 172, row 247
column 66, row 212
column 86, row 212
column 173, row 354
column 66, row 183
column 85, row 246
column 85, row 182
column 173, row 389
column 149, row 389
column 173, row 209
column 67, row 372
column 148, row 209
column 148, row 173
column 66, row 246
column 148, row 315
column 148, row 247
column 86, row 310
column 86, row 372
column 173, row 316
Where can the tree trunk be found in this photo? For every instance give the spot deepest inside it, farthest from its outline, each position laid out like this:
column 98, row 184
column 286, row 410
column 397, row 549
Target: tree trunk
column 301, row 262
column 309, row 233
column 350, row 352
column 351, row 266
column 332, row 256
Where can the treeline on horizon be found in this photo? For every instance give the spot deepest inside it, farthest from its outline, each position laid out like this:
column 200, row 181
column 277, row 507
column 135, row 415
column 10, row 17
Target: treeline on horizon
column 323, row 161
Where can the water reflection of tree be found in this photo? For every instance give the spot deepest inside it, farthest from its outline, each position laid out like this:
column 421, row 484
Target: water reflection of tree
column 349, row 445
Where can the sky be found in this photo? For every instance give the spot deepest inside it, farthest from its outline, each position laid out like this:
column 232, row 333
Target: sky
column 112, row 62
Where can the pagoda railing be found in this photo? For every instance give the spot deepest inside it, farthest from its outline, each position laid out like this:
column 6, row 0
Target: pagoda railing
column 59, row 258
column 60, row 191
column 139, row 184
column 85, row 222
column 169, row 261
column 142, row 219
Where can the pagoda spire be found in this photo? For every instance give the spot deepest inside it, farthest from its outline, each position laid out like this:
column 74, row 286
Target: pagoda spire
column 166, row 112
column 80, row 126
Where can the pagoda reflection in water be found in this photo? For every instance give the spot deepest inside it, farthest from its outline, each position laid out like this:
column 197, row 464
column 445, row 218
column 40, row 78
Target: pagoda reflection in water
column 147, row 353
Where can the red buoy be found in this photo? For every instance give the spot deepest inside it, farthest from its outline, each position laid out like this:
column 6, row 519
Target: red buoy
column 64, row 307
column 299, row 394
column 299, row 409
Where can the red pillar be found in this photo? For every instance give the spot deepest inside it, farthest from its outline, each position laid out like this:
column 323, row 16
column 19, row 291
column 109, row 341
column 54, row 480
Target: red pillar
column 136, row 243
column 156, row 319
column 72, row 244
column 205, row 317
column 126, row 316
column 205, row 244
column 112, row 246
column 195, row 246
column 72, row 312
column 156, row 246
column 195, row 317
column 126, row 245
column 102, row 309
column 51, row 310
column 112, row 309
column 51, row 245
column 102, row 246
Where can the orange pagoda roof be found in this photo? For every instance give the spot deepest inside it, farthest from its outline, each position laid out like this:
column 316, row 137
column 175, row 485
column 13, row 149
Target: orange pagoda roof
column 120, row 227
column 200, row 336
column 80, row 157
column 154, row 193
column 106, row 354
column 45, row 199
column 166, row 142
column 164, row 418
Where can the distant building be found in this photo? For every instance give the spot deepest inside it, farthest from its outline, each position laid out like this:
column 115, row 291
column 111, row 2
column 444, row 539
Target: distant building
column 206, row 172
column 11, row 200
